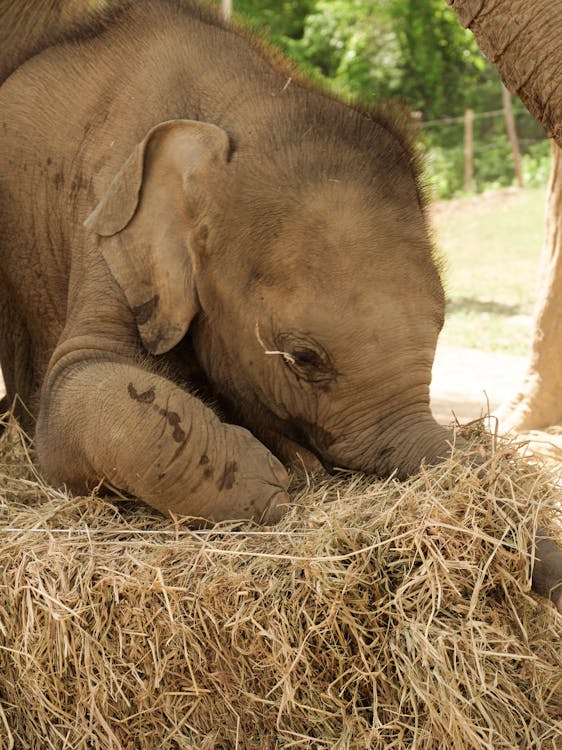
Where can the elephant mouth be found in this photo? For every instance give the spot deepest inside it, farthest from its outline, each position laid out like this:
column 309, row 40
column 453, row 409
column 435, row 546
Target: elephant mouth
column 309, row 436
column 318, row 441
column 314, row 438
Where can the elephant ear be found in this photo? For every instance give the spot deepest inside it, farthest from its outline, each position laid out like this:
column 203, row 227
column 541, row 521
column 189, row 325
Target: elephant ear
column 146, row 219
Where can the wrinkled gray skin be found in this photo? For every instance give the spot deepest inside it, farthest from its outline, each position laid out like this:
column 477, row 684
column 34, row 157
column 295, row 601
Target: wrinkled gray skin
column 179, row 218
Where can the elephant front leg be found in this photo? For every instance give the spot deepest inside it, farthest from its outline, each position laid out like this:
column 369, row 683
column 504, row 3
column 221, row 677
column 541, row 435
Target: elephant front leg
column 143, row 434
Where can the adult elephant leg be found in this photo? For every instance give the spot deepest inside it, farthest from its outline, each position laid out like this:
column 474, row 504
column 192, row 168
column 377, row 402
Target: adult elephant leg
column 539, row 401
column 101, row 419
column 522, row 40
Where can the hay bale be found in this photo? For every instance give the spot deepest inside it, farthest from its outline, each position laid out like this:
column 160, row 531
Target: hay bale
column 376, row 615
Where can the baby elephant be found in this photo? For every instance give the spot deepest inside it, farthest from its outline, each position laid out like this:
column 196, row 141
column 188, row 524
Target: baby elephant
column 208, row 265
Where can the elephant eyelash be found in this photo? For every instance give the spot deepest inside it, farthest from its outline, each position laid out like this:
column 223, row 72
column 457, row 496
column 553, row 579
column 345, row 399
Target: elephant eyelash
column 286, row 356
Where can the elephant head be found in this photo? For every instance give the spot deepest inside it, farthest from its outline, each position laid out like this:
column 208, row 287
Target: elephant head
column 304, row 274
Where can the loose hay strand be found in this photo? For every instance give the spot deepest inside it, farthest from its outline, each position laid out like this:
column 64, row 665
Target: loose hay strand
column 376, row 615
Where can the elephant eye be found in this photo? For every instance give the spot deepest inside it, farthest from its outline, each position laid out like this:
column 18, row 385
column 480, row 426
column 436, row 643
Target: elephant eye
column 306, row 358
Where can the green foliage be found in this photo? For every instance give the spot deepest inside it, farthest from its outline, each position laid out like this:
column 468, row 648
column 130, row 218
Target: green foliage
column 493, row 161
column 536, row 163
column 353, row 47
column 412, row 49
column 280, row 20
column 441, row 64
column 493, row 168
column 443, row 171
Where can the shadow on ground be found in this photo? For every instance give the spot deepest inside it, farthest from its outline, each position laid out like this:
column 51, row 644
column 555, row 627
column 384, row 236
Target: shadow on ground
column 470, row 304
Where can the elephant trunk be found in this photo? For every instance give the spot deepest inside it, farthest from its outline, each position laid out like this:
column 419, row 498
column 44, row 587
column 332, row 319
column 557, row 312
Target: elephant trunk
column 428, row 443
column 419, row 442
column 401, row 448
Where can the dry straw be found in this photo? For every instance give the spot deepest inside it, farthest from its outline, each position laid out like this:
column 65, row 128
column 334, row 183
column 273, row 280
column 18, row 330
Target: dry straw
column 375, row 615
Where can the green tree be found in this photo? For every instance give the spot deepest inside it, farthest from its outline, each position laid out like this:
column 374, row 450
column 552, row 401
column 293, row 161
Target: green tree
column 352, row 45
column 411, row 49
column 279, row 20
column 442, row 70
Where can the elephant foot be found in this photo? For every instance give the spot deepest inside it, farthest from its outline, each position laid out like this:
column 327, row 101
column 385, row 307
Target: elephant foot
column 547, row 570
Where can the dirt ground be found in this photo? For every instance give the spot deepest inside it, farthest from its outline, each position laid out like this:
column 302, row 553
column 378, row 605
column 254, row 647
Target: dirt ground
column 468, row 383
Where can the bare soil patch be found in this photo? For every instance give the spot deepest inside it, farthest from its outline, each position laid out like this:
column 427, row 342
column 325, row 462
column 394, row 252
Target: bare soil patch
column 468, row 383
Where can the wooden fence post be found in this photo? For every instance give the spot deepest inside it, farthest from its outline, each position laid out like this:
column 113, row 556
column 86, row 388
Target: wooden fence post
column 512, row 135
column 226, row 9
column 468, row 151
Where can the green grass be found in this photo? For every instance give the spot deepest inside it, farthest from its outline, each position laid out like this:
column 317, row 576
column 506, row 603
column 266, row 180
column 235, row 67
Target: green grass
column 491, row 245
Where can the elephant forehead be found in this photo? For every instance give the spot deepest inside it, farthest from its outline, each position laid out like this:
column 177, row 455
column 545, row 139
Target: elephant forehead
column 344, row 228
column 345, row 251
column 319, row 293
column 355, row 315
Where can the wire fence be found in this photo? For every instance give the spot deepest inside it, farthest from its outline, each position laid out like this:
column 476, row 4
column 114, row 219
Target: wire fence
column 476, row 150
